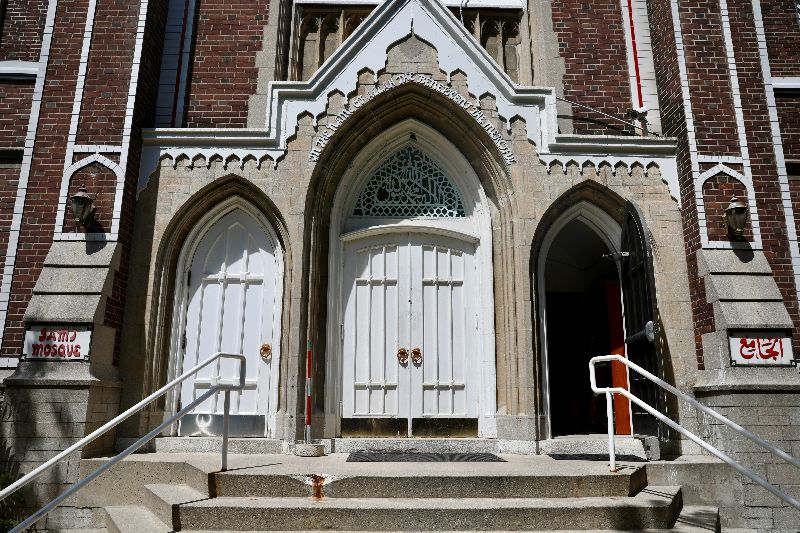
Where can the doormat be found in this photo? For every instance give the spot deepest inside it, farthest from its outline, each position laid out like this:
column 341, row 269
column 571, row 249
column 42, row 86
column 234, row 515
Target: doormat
column 365, row 456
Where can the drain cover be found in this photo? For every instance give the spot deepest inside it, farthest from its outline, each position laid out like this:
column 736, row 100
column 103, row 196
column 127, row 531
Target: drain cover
column 421, row 457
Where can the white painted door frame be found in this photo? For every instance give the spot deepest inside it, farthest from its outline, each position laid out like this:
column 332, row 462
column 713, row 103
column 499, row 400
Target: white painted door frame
column 476, row 225
column 180, row 305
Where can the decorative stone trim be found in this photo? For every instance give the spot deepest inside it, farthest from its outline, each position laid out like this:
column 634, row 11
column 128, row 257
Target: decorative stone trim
column 18, row 70
column 457, row 51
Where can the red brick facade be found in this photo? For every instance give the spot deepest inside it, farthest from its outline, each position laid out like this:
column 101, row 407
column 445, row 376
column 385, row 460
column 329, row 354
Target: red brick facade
column 709, row 79
column 223, row 70
column 223, row 75
column 105, row 93
column 782, row 28
column 21, row 31
column 15, row 104
column 772, row 217
column 788, row 104
column 673, row 120
column 592, row 42
column 717, row 194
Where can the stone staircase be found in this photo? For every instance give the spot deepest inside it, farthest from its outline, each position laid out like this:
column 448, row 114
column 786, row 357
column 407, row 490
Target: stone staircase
column 185, row 492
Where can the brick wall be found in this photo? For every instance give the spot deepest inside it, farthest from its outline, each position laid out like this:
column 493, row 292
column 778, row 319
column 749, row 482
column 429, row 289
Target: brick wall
column 709, row 79
column 223, row 72
column 673, row 120
column 143, row 117
column 717, row 193
column 592, row 42
column 102, row 182
column 15, row 105
column 101, row 122
column 105, row 93
column 789, row 118
column 783, row 36
column 21, row 26
column 48, row 161
column 772, row 218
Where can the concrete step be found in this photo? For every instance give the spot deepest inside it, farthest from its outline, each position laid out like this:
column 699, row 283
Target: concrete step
column 133, row 519
column 164, row 500
column 245, row 446
column 653, row 507
column 422, row 483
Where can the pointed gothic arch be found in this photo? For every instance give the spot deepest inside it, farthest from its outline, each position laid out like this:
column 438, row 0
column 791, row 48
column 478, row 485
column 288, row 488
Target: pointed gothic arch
column 213, row 200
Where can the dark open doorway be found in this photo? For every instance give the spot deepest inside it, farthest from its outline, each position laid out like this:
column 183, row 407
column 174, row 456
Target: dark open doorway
column 584, row 319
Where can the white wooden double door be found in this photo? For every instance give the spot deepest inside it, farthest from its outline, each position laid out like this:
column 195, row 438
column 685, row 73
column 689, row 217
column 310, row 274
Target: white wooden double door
column 233, row 305
column 410, row 336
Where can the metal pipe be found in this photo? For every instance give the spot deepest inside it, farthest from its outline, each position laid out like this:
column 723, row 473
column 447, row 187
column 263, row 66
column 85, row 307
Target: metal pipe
column 225, row 426
column 308, row 395
column 691, row 436
column 632, row 124
column 122, row 417
column 730, row 423
column 111, row 462
column 216, row 387
column 612, row 453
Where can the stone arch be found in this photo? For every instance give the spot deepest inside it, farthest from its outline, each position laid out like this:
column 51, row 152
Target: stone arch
column 229, row 192
column 601, row 210
column 408, row 102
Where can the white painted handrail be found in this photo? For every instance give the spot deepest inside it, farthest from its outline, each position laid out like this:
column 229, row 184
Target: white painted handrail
column 610, row 391
column 216, row 387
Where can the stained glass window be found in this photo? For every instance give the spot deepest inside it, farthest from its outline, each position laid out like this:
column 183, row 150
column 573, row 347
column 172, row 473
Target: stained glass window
column 409, row 184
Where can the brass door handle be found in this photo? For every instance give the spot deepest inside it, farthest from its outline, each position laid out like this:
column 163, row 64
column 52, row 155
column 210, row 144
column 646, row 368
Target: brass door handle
column 402, row 355
column 265, row 352
column 416, row 356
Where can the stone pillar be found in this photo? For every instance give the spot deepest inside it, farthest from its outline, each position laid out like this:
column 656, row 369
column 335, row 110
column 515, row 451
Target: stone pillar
column 765, row 400
column 50, row 404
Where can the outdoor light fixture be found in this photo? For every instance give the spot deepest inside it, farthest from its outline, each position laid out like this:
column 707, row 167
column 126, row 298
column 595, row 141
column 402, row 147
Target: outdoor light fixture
column 736, row 216
column 82, row 207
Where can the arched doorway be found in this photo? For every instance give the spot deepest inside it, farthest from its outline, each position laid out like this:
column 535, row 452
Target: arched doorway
column 410, row 295
column 596, row 297
column 231, row 268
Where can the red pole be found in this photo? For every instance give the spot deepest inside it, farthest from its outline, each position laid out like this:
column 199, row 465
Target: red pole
column 308, row 394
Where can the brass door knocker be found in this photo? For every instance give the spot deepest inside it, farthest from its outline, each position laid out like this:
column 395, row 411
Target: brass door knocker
column 402, row 356
column 416, row 356
column 265, row 352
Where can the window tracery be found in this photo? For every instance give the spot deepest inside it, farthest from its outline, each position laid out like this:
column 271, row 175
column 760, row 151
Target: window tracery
column 322, row 27
column 409, row 184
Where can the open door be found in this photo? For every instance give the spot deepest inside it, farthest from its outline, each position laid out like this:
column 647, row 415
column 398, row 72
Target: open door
column 638, row 292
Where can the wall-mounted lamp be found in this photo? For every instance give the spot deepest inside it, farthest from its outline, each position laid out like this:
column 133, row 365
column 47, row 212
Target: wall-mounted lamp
column 82, row 207
column 736, row 217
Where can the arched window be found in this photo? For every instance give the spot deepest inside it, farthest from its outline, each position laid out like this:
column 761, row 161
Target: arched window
column 409, row 184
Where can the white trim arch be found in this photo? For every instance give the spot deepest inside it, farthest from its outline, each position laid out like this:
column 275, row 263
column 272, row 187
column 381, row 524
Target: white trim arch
column 475, row 227
column 610, row 232
column 187, row 253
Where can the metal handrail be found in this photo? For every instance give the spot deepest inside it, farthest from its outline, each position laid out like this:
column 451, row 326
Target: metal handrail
column 216, row 386
column 610, row 391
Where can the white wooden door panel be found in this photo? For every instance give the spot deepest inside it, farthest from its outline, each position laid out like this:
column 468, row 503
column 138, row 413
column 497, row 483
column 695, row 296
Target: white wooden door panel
column 232, row 306
column 372, row 311
column 410, row 291
column 448, row 335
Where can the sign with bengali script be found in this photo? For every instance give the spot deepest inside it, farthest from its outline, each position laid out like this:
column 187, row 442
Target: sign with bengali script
column 57, row 343
column 762, row 348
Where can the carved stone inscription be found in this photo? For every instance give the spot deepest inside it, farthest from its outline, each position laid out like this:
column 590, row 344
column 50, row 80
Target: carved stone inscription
column 426, row 81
